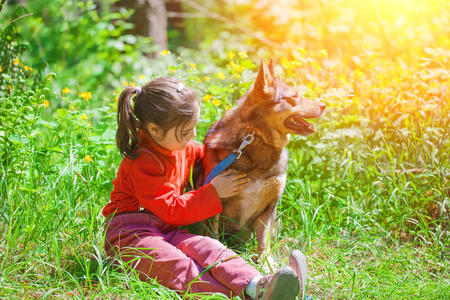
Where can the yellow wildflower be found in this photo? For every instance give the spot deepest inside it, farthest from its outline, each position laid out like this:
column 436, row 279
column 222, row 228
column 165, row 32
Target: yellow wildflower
column 46, row 103
column 193, row 66
column 324, row 53
column 16, row 61
column 295, row 63
column 302, row 51
column 164, row 52
column 207, row 98
column 72, row 108
column 228, row 107
column 133, row 84
column 221, row 76
column 198, row 79
column 237, row 75
column 87, row 158
column 142, row 77
column 238, row 68
column 231, row 55
column 86, row 96
column 26, row 68
column 243, row 54
column 216, row 102
column 83, row 117
column 358, row 74
column 125, row 83
column 66, row 90
column 1, row 69
column 343, row 79
column 207, row 78
column 315, row 65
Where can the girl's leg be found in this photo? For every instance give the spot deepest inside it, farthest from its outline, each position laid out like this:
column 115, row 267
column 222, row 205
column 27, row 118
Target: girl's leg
column 132, row 239
column 227, row 267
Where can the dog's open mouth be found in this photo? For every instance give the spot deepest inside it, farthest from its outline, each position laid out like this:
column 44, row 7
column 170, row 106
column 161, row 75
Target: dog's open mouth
column 299, row 125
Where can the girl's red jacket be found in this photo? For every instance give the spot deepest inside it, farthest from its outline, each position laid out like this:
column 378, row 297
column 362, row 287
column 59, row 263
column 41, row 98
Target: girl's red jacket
column 156, row 181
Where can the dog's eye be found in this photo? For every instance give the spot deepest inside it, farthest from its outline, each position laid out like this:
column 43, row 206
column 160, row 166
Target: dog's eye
column 290, row 100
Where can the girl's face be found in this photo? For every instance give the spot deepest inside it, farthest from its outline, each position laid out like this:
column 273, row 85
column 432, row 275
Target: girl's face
column 170, row 141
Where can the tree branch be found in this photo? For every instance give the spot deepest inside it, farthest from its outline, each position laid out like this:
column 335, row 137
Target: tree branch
column 16, row 18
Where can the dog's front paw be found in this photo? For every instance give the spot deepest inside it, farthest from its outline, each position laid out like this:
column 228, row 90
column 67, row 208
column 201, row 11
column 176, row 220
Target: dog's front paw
column 267, row 263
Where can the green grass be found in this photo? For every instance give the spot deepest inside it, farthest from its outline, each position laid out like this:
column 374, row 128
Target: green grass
column 369, row 231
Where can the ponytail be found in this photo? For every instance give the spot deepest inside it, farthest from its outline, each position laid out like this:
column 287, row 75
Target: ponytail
column 127, row 135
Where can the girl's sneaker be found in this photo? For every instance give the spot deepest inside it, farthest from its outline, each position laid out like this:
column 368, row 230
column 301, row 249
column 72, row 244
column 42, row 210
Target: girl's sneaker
column 283, row 285
column 297, row 261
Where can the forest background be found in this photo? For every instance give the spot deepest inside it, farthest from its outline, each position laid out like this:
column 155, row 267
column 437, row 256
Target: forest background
column 367, row 197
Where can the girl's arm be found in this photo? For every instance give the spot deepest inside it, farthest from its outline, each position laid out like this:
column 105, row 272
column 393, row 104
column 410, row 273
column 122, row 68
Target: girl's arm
column 156, row 194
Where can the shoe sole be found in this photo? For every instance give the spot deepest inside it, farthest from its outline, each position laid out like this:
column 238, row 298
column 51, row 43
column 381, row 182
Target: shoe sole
column 297, row 261
column 287, row 286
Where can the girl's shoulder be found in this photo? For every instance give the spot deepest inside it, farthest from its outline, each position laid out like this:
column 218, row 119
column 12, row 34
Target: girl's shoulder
column 146, row 157
column 193, row 145
column 195, row 150
column 150, row 155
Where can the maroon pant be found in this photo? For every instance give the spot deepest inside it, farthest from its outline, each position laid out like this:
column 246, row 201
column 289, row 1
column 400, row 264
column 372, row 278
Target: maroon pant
column 177, row 259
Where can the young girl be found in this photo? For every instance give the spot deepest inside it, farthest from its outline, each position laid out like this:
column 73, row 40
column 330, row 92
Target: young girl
column 147, row 204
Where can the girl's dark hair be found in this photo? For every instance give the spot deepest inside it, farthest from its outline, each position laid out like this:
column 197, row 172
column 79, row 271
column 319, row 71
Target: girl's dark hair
column 162, row 102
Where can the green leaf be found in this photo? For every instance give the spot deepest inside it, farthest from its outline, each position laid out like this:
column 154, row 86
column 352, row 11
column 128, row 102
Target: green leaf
column 46, row 124
column 191, row 174
column 61, row 112
column 19, row 139
column 6, row 76
column 248, row 64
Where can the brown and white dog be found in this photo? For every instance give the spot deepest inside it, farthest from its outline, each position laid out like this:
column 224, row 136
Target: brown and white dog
column 271, row 110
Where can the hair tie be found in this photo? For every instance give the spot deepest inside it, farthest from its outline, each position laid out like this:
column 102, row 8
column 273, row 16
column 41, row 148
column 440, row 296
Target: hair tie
column 180, row 86
column 138, row 90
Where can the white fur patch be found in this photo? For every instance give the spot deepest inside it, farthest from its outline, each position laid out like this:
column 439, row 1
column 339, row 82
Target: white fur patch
column 252, row 194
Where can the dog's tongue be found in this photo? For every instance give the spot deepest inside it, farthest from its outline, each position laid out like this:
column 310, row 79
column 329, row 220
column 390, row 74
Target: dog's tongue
column 299, row 124
column 296, row 120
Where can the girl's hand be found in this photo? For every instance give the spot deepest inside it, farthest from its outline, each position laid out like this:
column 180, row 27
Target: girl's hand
column 229, row 184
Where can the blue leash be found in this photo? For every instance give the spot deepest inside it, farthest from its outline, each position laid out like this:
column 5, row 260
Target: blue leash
column 235, row 155
column 219, row 168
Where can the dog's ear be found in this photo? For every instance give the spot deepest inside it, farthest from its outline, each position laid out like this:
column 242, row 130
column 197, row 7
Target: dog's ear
column 264, row 80
column 272, row 67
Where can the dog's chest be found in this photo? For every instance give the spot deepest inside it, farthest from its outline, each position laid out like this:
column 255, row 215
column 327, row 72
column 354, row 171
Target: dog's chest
column 259, row 195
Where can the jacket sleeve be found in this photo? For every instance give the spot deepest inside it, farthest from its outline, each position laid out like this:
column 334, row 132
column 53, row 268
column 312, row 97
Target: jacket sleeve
column 156, row 194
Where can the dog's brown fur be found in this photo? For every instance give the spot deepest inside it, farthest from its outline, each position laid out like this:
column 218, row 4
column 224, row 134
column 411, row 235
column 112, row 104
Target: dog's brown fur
column 265, row 110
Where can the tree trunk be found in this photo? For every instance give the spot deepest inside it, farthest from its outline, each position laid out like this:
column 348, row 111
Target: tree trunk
column 150, row 20
column 2, row 4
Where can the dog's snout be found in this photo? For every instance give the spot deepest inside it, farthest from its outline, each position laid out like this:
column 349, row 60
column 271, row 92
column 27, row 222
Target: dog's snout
column 322, row 106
